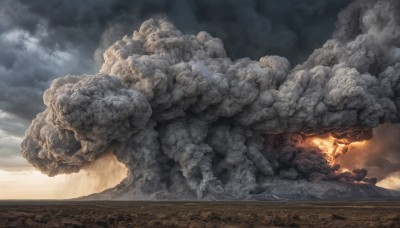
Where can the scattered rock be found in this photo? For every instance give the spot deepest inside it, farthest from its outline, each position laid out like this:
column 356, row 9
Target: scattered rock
column 393, row 217
column 278, row 221
column 161, row 216
column 296, row 217
column 41, row 218
column 196, row 224
column 110, row 219
column 70, row 221
column 338, row 217
column 375, row 218
column 126, row 224
column 15, row 215
column 32, row 223
column 101, row 223
column 389, row 224
column 209, row 215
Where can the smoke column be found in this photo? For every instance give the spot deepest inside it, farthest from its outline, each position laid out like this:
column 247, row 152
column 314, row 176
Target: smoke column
column 189, row 122
column 97, row 176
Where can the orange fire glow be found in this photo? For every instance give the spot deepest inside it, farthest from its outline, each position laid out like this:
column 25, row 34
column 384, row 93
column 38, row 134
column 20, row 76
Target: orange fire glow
column 333, row 147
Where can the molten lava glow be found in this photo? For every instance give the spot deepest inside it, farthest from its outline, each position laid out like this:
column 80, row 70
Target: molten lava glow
column 333, row 147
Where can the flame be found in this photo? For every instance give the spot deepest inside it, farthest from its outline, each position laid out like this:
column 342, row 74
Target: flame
column 332, row 147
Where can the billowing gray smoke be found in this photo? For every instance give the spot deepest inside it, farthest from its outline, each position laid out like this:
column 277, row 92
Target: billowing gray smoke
column 191, row 123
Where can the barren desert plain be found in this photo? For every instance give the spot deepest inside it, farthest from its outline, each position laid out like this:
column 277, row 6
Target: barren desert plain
column 200, row 213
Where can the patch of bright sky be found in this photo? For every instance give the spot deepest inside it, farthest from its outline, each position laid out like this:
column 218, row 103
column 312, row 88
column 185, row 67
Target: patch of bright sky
column 391, row 182
column 104, row 173
column 29, row 185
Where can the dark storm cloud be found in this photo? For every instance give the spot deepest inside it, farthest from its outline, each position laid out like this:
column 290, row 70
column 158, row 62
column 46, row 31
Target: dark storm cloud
column 56, row 30
column 248, row 28
column 13, row 125
column 11, row 131
column 26, row 69
column 7, row 146
column 26, row 66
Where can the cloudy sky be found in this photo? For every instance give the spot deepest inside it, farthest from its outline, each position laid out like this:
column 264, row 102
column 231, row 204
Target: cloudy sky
column 41, row 40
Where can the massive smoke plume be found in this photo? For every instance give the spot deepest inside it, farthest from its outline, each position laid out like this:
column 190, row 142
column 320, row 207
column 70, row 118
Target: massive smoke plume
column 42, row 39
column 190, row 122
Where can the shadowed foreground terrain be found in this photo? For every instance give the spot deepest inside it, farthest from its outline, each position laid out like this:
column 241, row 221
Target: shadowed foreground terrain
column 199, row 214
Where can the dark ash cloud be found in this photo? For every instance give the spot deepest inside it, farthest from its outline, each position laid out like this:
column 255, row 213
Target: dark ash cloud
column 42, row 40
column 190, row 122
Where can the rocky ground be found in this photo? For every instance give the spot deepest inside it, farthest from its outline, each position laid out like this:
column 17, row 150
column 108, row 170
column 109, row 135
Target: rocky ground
column 199, row 214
